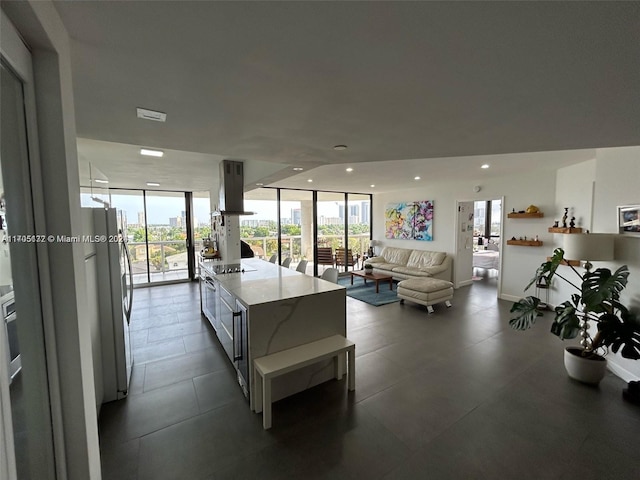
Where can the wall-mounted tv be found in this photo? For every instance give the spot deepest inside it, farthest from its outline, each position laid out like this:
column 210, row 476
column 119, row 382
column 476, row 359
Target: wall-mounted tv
column 629, row 219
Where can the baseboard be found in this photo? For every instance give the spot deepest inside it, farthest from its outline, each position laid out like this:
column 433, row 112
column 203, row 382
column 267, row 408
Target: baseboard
column 620, row 371
column 509, row 298
column 464, row 283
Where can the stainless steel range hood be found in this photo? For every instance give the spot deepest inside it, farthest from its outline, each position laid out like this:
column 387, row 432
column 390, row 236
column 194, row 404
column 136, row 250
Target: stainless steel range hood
column 231, row 201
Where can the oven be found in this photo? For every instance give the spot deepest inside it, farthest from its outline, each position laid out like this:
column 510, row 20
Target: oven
column 8, row 306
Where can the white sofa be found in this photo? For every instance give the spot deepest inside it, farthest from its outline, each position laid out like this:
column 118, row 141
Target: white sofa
column 405, row 263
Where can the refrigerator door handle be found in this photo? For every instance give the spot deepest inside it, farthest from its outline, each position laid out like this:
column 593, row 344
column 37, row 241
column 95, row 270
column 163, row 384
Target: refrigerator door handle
column 128, row 257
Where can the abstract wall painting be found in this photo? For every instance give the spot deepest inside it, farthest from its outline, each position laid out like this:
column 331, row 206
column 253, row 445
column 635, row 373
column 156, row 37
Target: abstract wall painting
column 409, row 220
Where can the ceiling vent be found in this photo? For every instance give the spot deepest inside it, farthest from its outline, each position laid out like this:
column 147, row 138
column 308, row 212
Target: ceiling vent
column 151, row 115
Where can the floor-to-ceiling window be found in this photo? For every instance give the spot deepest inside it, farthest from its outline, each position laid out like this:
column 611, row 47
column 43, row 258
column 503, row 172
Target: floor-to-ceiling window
column 166, row 215
column 156, row 224
column 331, row 220
column 359, row 223
column 296, row 226
column 260, row 230
column 201, row 219
column 131, row 202
column 294, row 223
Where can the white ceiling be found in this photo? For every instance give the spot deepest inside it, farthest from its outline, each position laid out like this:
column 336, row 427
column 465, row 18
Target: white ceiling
column 416, row 87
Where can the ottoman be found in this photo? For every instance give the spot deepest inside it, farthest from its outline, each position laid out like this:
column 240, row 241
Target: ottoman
column 425, row 291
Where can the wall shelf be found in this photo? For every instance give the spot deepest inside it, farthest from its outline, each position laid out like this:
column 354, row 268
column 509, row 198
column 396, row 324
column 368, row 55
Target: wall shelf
column 525, row 215
column 525, row 243
column 573, row 263
column 565, row 230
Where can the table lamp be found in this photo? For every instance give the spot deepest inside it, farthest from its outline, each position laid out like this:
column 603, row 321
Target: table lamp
column 588, row 246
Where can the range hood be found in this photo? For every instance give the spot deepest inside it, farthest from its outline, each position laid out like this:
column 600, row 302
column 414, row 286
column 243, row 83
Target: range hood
column 231, row 201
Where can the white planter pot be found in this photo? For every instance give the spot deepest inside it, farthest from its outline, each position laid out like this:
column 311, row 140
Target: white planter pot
column 584, row 369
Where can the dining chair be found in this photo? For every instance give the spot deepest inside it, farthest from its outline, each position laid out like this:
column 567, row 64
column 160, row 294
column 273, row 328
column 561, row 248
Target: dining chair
column 273, row 258
column 330, row 274
column 302, row 266
column 286, row 262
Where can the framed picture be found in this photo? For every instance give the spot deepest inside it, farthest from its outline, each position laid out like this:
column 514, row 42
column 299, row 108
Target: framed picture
column 629, row 219
column 409, row 220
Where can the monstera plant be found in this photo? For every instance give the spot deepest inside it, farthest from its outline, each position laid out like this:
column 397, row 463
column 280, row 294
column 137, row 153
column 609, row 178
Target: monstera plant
column 597, row 301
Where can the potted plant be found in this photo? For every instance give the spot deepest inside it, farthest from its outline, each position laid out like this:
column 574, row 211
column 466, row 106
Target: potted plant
column 597, row 300
column 368, row 267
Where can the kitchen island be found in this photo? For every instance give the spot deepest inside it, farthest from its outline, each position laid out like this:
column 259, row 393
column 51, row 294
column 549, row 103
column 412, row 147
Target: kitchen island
column 258, row 308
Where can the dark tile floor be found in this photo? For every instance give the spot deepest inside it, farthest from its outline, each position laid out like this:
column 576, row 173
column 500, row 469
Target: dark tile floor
column 452, row 395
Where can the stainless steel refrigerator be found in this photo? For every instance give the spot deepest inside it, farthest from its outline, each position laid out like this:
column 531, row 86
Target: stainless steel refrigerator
column 115, row 294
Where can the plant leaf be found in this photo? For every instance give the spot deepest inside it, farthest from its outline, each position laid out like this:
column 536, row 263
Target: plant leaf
column 600, row 288
column 527, row 312
column 566, row 325
column 547, row 269
column 624, row 331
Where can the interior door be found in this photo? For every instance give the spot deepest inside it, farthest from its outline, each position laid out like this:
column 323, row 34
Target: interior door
column 26, row 432
column 463, row 269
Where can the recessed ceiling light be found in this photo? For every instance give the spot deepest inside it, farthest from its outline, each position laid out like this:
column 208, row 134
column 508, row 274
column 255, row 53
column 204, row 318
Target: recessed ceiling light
column 340, row 147
column 99, row 180
column 151, row 115
column 309, row 180
column 349, row 169
column 152, row 184
column 298, row 169
column 486, row 165
column 259, row 184
column 372, row 186
column 151, row 153
column 416, row 178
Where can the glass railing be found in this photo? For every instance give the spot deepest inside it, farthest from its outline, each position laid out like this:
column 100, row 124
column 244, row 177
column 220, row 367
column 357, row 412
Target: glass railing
column 264, row 247
column 166, row 260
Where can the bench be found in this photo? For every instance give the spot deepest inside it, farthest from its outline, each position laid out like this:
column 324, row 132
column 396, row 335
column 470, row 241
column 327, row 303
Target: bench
column 271, row 366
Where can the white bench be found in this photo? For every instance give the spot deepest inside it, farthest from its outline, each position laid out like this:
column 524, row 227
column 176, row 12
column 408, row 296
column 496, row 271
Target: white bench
column 285, row 361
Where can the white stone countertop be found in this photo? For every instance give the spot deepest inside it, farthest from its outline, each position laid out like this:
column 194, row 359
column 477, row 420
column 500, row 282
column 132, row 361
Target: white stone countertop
column 265, row 282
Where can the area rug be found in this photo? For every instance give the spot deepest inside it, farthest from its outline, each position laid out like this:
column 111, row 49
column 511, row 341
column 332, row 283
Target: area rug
column 367, row 293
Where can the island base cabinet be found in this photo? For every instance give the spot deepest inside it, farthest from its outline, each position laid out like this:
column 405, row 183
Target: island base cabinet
column 277, row 326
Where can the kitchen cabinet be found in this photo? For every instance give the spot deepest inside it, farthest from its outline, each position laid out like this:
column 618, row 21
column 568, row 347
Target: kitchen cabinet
column 264, row 308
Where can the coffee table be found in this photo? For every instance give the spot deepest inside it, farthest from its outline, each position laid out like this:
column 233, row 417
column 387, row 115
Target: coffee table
column 376, row 277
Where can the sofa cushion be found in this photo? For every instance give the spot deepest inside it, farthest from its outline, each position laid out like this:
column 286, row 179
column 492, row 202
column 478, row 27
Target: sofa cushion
column 414, row 272
column 399, row 256
column 424, row 259
column 385, row 266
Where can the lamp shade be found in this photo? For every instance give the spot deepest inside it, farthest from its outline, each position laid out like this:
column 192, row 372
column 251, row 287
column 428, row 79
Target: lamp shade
column 588, row 246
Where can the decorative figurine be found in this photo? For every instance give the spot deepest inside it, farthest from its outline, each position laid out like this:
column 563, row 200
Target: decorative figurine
column 536, row 238
column 572, row 224
column 564, row 217
column 555, row 224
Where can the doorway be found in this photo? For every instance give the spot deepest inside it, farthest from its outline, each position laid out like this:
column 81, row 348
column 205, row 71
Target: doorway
column 478, row 235
column 487, row 245
column 27, row 410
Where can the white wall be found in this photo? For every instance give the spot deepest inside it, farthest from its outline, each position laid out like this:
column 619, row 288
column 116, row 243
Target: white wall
column 592, row 190
column 519, row 263
column 617, row 177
